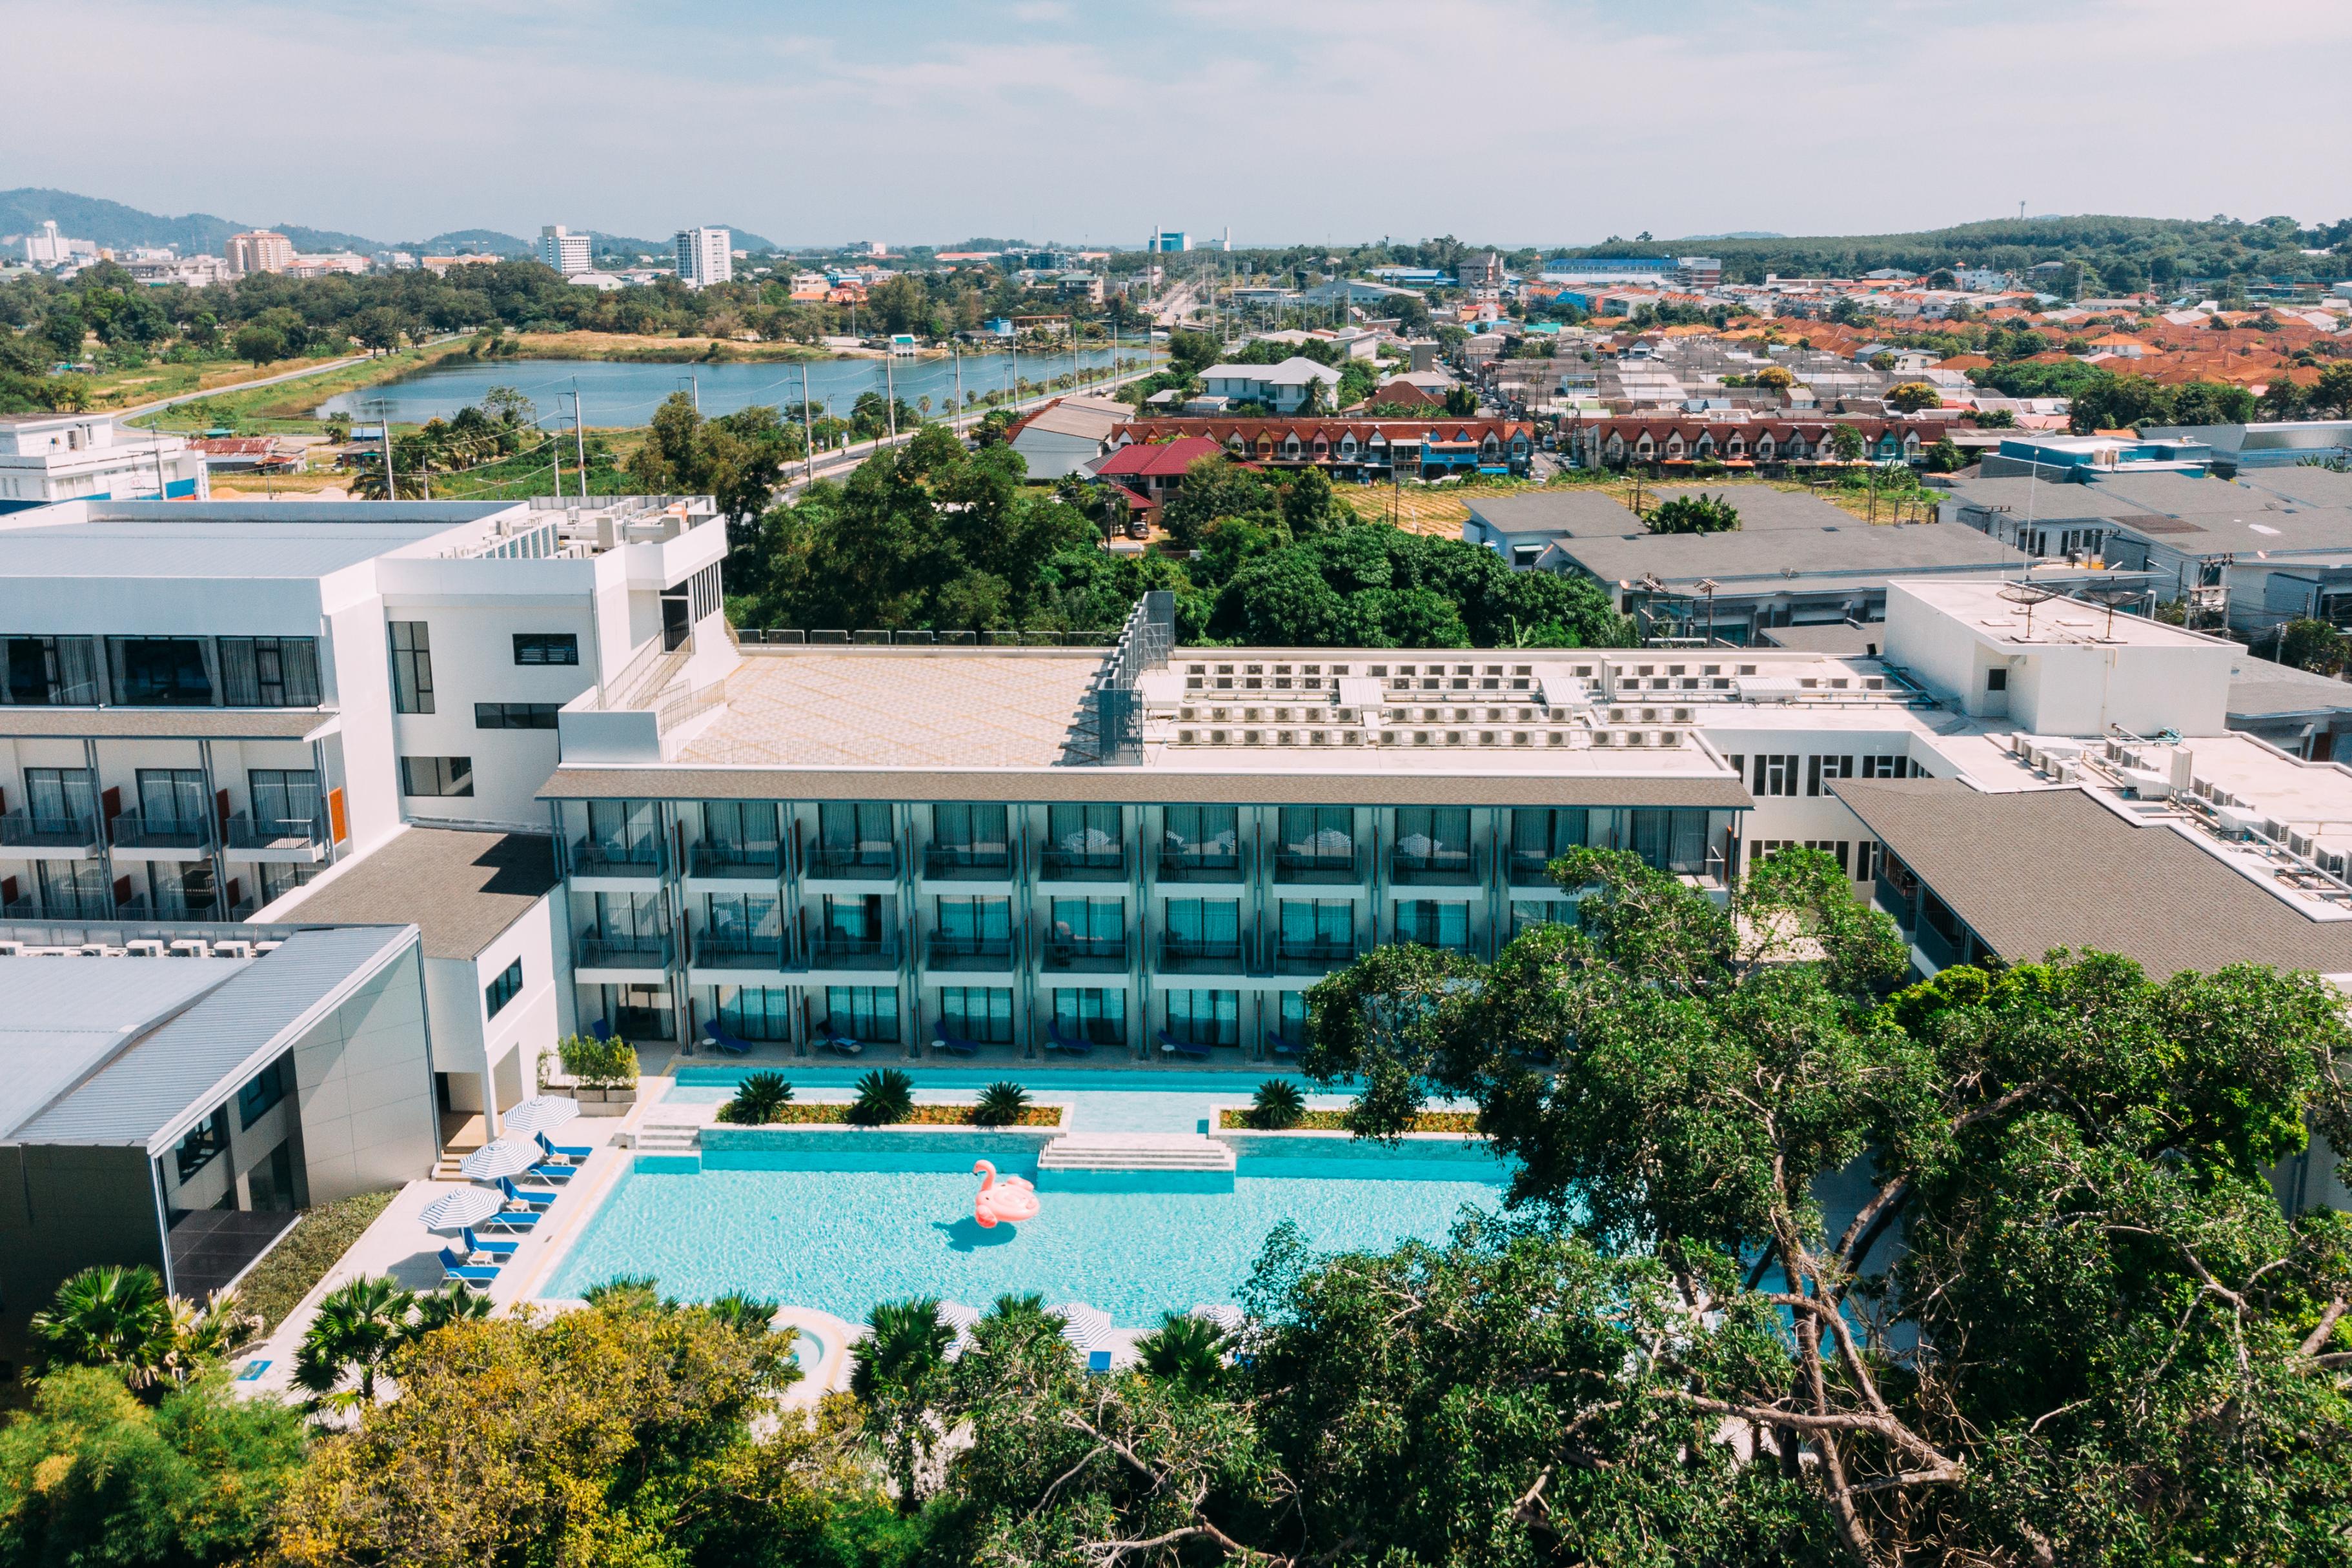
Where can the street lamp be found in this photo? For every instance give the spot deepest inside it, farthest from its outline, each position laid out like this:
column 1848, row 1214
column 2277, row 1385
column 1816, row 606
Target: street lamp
column 1707, row 585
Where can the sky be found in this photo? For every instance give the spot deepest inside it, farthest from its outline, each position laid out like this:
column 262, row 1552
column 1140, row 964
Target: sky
column 929, row 121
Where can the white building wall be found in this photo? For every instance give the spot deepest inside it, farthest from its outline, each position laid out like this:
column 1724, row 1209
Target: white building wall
column 364, row 1078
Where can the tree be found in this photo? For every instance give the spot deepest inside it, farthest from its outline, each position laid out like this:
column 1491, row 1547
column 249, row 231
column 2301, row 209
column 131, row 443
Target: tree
column 2309, row 645
column 898, row 1374
column 1694, row 514
column 120, row 1318
column 2077, row 1159
column 92, row 1475
column 1848, row 443
column 622, row 1433
column 63, row 329
column 1185, row 1351
column 2331, row 394
column 1779, row 377
column 261, row 345
column 1945, row 456
column 1461, row 403
column 1910, row 397
column 356, row 1329
column 378, row 330
column 737, row 458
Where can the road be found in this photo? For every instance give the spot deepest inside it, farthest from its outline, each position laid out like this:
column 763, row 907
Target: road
column 829, row 464
column 320, row 369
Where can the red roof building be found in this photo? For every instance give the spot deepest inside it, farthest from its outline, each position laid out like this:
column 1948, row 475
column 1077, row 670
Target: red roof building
column 1354, row 448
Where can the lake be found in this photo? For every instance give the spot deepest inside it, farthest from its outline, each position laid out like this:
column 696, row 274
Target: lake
column 622, row 394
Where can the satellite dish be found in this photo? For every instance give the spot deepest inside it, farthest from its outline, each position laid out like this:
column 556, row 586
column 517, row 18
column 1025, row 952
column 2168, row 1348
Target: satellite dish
column 2113, row 595
column 2027, row 594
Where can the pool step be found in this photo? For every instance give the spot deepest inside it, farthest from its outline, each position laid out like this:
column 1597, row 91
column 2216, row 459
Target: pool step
column 1135, row 1152
column 669, row 1138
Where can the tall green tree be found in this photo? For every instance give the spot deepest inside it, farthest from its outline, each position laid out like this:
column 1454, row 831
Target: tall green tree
column 898, row 1375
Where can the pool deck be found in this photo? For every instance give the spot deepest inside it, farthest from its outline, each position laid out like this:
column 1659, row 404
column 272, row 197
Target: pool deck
column 1125, row 1100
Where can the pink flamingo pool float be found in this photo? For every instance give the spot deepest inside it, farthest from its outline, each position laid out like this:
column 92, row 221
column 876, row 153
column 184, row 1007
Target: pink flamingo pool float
column 1008, row 1198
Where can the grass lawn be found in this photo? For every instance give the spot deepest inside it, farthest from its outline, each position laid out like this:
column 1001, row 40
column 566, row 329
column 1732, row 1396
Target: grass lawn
column 1441, row 510
column 628, row 346
column 284, row 409
column 281, row 1280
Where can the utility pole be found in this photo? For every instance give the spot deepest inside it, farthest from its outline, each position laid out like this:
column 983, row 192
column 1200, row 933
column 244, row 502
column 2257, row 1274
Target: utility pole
column 383, row 414
column 808, row 427
column 890, row 392
column 579, row 438
column 955, row 421
column 555, row 450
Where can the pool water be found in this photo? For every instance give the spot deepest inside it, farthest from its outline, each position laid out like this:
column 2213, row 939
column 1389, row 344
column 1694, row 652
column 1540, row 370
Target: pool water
column 844, row 1240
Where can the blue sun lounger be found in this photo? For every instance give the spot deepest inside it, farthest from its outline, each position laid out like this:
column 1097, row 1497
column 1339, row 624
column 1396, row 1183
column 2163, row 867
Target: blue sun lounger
column 1057, row 1040
column 538, row 1199
column 487, row 1246
column 455, row 1271
column 953, row 1043
column 576, row 1153
column 722, row 1040
column 1174, row 1047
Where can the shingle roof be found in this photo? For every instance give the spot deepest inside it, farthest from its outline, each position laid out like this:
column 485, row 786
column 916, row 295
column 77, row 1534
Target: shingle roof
column 2031, row 870
column 459, row 889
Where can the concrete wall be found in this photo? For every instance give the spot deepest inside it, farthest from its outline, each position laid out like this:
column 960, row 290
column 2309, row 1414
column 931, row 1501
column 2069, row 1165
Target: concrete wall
column 64, row 1209
column 364, row 1076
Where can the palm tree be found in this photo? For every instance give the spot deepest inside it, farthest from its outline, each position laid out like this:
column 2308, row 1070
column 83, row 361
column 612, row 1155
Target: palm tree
column 109, row 1316
column 747, row 1314
column 758, row 1100
column 357, row 1327
column 884, row 1095
column 1276, row 1105
column 628, row 1294
column 1000, row 1105
column 439, row 1309
column 895, row 1375
column 201, row 1335
column 1184, row 1351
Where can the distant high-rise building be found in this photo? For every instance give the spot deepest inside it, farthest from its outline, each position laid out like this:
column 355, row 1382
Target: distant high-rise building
column 567, row 253
column 46, row 249
column 705, row 256
column 1170, row 239
column 260, row 251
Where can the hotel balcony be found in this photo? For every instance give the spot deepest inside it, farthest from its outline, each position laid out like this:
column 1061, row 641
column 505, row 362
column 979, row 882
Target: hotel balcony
column 834, row 951
column 973, row 955
column 1314, row 957
column 138, row 835
column 1069, row 865
column 23, row 836
column 1086, row 955
column 294, row 840
column 1438, row 868
column 1180, row 956
column 628, row 860
column 723, row 861
column 851, row 862
column 1189, row 867
column 1323, row 870
column 734, row 953
column 955, row 862
column 627, row 958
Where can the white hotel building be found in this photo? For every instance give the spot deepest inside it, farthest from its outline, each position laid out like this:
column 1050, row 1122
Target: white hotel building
column 51, row 457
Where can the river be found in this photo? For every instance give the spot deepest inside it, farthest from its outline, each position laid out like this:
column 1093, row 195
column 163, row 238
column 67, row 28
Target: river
column 617, row 395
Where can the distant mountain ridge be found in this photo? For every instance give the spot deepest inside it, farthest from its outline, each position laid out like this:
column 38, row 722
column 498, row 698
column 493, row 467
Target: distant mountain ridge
column 117, row 226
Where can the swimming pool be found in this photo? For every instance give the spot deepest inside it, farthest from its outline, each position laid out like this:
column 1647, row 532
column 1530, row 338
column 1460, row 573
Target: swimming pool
column 841, row 1222
column 842, row 1240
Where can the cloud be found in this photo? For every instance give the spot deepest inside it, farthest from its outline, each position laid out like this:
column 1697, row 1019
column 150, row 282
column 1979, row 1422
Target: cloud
column 920, row 119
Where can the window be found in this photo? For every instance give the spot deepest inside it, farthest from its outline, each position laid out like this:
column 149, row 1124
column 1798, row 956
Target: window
column 1088, row 928
column 1082, row 838
column 1097, row 1016
column 503, row 989
column 862, row 1012
column 981, row 1014
column 267, row 1088
column 515, row 715
column 1203, row 928
column 206, row 1142
column 1834, row 848
column 60, row 801
column 1206, row 1018
column 284, row 796
column 1318, row 838
column 1540, row 836
column 437, row 775
column 1881, row 768
column 1776, row 774
column 160, row 672
column 270, row 671
column 172, row 799
column 545, row 648
column 1528, row 914
column 1433, row 923
column 756, row 1012
column 1298, row 1021
column 1432, row 841
column 412, row 667
column 854, row 833
column 1996, row 680
column 739, row 826
column 1818, row 768
column 1317, row 927
column 972, row 837
column 1865, row 860
column 975, row 925
column 42, row 671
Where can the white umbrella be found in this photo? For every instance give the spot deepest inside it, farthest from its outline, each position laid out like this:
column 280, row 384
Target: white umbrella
column 466, row 1206
column 1226, row 1317
column 543, row 1113
column 504, row 1158
column 1087, row 1328
column 961, row 1318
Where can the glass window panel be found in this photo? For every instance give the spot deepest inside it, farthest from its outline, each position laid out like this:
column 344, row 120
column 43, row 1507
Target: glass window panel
column 1097, row 1016
column 864, row 1012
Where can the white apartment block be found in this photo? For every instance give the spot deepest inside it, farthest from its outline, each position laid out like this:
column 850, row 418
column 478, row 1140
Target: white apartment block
column 567, row 252
column 703, row 256
column 51, row 457
column 263, row 250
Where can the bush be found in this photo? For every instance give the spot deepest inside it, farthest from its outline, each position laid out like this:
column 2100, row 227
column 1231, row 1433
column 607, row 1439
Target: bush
column 285, row 1275
column 1000, row 1105
column 884, row 1095
column 599, row 1063
column 1699, row 514
column 1277, row 1106
column 757, row 1099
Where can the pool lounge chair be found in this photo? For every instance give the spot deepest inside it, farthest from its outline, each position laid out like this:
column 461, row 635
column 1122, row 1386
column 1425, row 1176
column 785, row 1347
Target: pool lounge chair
column 722, row 1040
column 576, row 1153
column 1174, row 1047
column 512, row 1219
column 955, row 1044
column 454, row 1270
column 1057, row 1040
column 487, row 1248
column 554, row 1171
column 538, row 1199
column 1280, row 1044
column 828, row 1041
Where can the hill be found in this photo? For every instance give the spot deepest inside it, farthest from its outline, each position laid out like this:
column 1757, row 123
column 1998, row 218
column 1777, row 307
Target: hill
column 469, row 242
column 112, row 223
column 2123, row 252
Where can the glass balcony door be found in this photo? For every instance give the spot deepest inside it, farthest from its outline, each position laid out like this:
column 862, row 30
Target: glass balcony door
column 1087, row 934
column 968, row 840
column 61, row 800
column 1083, row 842
column 1319, row 844
column 1432, row 845
column 855, row 835
column 1200, row 842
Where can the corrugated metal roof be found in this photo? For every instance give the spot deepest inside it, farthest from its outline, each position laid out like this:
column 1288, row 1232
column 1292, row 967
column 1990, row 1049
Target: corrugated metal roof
column 64, row 1016
column 198, row 1058
column 201, row 549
